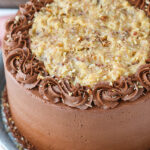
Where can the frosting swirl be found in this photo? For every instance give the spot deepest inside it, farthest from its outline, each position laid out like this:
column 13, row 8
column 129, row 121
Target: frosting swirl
column 128, row 88
column 18, row 36
column 75, row 96
column 106, row 96
column 50, row 90
column 143, row 75
column 25, row 67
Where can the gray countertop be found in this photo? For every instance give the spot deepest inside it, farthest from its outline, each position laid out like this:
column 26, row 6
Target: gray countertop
column 5, row 141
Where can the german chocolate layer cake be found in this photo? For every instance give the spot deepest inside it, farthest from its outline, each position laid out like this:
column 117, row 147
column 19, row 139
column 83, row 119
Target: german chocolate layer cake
column 78, row 73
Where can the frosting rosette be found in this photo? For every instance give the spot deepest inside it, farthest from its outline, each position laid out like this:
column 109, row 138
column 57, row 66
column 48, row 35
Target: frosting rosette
column 49, row 89
column 106, row 96
column 25, row 68
column 75, row 96
column 143, row 75
column 18, row 37
column 128, row 88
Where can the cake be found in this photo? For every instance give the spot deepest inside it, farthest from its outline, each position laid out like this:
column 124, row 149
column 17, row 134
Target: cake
column 78, row 73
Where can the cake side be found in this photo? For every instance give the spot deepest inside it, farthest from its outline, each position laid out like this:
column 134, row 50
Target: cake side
column 50, row 126
column 32, row 73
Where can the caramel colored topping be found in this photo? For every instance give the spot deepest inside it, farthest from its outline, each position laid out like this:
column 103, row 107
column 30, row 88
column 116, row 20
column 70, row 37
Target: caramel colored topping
column 91, row 42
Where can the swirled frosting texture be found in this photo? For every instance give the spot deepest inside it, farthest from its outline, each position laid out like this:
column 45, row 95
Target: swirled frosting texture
column 31, row 73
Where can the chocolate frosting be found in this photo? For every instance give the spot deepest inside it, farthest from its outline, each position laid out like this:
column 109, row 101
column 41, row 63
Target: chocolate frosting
column 31, row 73
column 143, row 75
column 76, row 96
column 49, row 89
column 106, row 96
column 142, row 4
column 55, row 90
column 24, row 67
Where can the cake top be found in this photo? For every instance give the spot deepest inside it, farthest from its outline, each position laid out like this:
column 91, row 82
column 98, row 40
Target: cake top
column 81, row 53
column 91, row 40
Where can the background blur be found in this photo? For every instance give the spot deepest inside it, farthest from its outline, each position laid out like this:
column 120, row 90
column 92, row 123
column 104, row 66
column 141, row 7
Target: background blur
column 11, row 3
column 7, row 9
